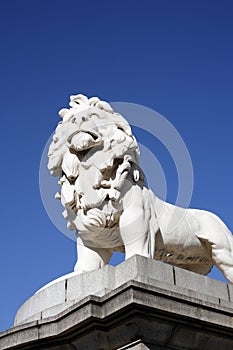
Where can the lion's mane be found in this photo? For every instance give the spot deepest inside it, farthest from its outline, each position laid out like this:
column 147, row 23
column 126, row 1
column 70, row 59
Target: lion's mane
column 96, row 118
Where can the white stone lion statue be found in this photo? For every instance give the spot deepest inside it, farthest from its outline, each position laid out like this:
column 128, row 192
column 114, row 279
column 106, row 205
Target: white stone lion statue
column 108, row 203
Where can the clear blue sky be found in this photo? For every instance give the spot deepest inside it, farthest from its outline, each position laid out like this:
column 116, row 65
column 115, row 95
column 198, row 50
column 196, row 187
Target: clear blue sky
column 173, row 56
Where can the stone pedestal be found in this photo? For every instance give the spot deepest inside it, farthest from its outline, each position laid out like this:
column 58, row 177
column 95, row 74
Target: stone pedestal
column 140, row 304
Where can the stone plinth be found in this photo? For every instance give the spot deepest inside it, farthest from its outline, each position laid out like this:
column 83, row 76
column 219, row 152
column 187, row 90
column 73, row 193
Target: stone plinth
column 140, row 304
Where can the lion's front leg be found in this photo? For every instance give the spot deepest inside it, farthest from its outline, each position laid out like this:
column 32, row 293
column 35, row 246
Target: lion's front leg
column 135, row 232
column 90, row 258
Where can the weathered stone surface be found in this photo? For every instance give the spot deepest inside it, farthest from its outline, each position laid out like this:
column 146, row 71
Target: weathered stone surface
column 230, row 289
column 53, row 311
column 142, row 268
column 58, row 296
column 41, row 301
column 21, row 335
column 133, row 311
column 90, row 283
column 201, row 284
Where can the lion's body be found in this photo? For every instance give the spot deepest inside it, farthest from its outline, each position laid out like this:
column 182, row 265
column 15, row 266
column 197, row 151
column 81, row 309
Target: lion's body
column 188, row 238
column 109, row 205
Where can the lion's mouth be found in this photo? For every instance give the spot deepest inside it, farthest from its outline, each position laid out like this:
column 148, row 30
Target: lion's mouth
column 99, row 217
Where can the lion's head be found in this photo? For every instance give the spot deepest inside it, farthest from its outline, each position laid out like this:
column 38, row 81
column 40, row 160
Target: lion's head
column 92, row 152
